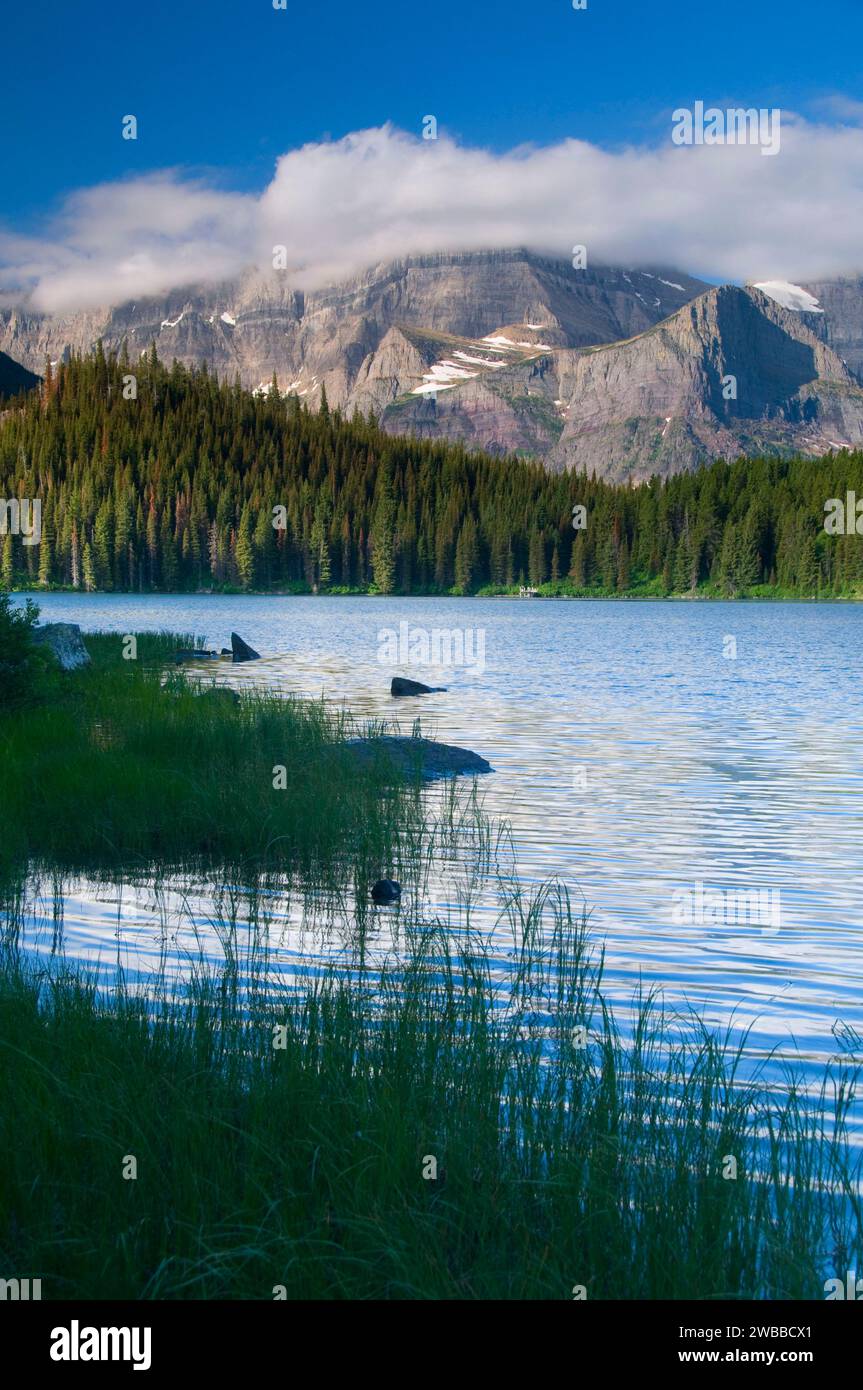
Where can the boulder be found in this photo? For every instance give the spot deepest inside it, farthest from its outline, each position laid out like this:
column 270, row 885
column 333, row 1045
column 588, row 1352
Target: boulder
column 386, row 891
column 241, row 651
column 424, row 756
column 192, row 654
column 401, row 686
column 220, row 694
column 65, row 641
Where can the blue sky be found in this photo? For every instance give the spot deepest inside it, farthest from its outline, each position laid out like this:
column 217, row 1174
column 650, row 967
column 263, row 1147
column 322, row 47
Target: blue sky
column 228, row 85
column 301, row 129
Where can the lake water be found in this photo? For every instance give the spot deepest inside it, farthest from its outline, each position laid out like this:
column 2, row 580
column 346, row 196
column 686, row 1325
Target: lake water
column 639, row 750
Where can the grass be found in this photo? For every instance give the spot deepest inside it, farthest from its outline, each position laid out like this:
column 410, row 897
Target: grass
column 452, row 1117
column 433, row 1130
column 123, row 767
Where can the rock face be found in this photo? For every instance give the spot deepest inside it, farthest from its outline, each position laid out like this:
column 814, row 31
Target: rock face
column 609, row 369
column 65, row 641
column 14, row 378
column 341, row 336
column 840, row 322
column 418, row 755
column 400, row 686
column 657, row 404
column 241, row 651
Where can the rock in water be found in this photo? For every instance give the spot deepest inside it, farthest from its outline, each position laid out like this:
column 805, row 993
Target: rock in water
column 386, row 890
column 401, row 686
column 417, row 756
column 220, row 694
column 65, row 641
column 192, row 654
column 241, row 651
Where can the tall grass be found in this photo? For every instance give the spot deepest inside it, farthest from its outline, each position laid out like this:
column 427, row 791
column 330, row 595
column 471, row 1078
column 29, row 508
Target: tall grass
column 444, row 1117
column 127, row 767
column 437, row 1128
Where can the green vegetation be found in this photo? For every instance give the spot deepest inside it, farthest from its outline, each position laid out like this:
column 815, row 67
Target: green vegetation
column 23, row 669
column 124, row 768
column 448, row 1120
column 434, row 1130
column 175, row 490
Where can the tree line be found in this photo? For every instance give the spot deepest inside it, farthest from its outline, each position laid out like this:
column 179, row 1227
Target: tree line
column 164, row 478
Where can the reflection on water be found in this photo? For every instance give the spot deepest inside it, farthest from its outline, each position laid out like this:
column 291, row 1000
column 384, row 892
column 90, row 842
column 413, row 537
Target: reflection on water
column 634, row 760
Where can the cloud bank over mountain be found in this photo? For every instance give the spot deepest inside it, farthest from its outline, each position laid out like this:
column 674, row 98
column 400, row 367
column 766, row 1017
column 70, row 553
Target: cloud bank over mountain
column 337, row 207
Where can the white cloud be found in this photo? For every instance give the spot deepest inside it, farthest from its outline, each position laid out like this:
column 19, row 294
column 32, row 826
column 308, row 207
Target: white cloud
column 123, row 240
column 339, row 207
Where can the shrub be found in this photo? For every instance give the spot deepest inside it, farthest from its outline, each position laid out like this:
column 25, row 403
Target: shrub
column 22, row 665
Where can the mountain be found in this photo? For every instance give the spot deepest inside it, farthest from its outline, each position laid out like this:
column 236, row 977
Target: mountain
column 341, row 338
column 835, row 315
column 653, row 403
column 14, row 378
column 657, row 403
column 618, row 371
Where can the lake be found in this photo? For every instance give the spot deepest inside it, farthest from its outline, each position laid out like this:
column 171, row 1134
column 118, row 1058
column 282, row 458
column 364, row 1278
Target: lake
column 692, row 771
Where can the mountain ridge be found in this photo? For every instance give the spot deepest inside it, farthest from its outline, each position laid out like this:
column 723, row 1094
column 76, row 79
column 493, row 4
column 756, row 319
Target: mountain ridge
column 619, row 371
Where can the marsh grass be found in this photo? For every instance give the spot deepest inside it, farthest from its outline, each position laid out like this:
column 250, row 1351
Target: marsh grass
column 558, row 1164
column 566, row 1153
column 127, row 765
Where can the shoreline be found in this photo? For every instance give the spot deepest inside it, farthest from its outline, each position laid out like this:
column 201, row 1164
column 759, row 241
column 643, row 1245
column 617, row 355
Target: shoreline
column 36, row 593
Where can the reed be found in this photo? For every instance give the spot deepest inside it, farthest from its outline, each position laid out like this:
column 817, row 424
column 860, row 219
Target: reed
column 460, row 1121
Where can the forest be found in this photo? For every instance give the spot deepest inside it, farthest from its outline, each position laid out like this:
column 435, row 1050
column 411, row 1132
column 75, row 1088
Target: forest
column 164, row 478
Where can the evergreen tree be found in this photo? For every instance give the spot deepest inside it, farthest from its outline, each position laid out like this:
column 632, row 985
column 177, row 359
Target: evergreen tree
column 178, row 494
column 383, row 533
column 466, row 556
column 244, row 555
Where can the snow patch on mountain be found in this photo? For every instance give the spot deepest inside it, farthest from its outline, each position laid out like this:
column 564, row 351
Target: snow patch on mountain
column 442, row 377
column 498, row 338
column 479, row 361
column 790, row 296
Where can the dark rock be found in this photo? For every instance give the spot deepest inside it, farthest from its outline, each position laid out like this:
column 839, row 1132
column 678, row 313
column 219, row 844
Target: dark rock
column 226, row 651
column 241, row 651
column 65, row 641
column 386, row 890
column 422, row 756
column 401, row 686
column 220, row 693
column 192, row 654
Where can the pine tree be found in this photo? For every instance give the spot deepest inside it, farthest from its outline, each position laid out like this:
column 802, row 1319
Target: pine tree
column 466, row 556
column 536, row 565
column 156, row 497
column 383, row 533
column 244, row 555
column 89, row 570
column 7, row 575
